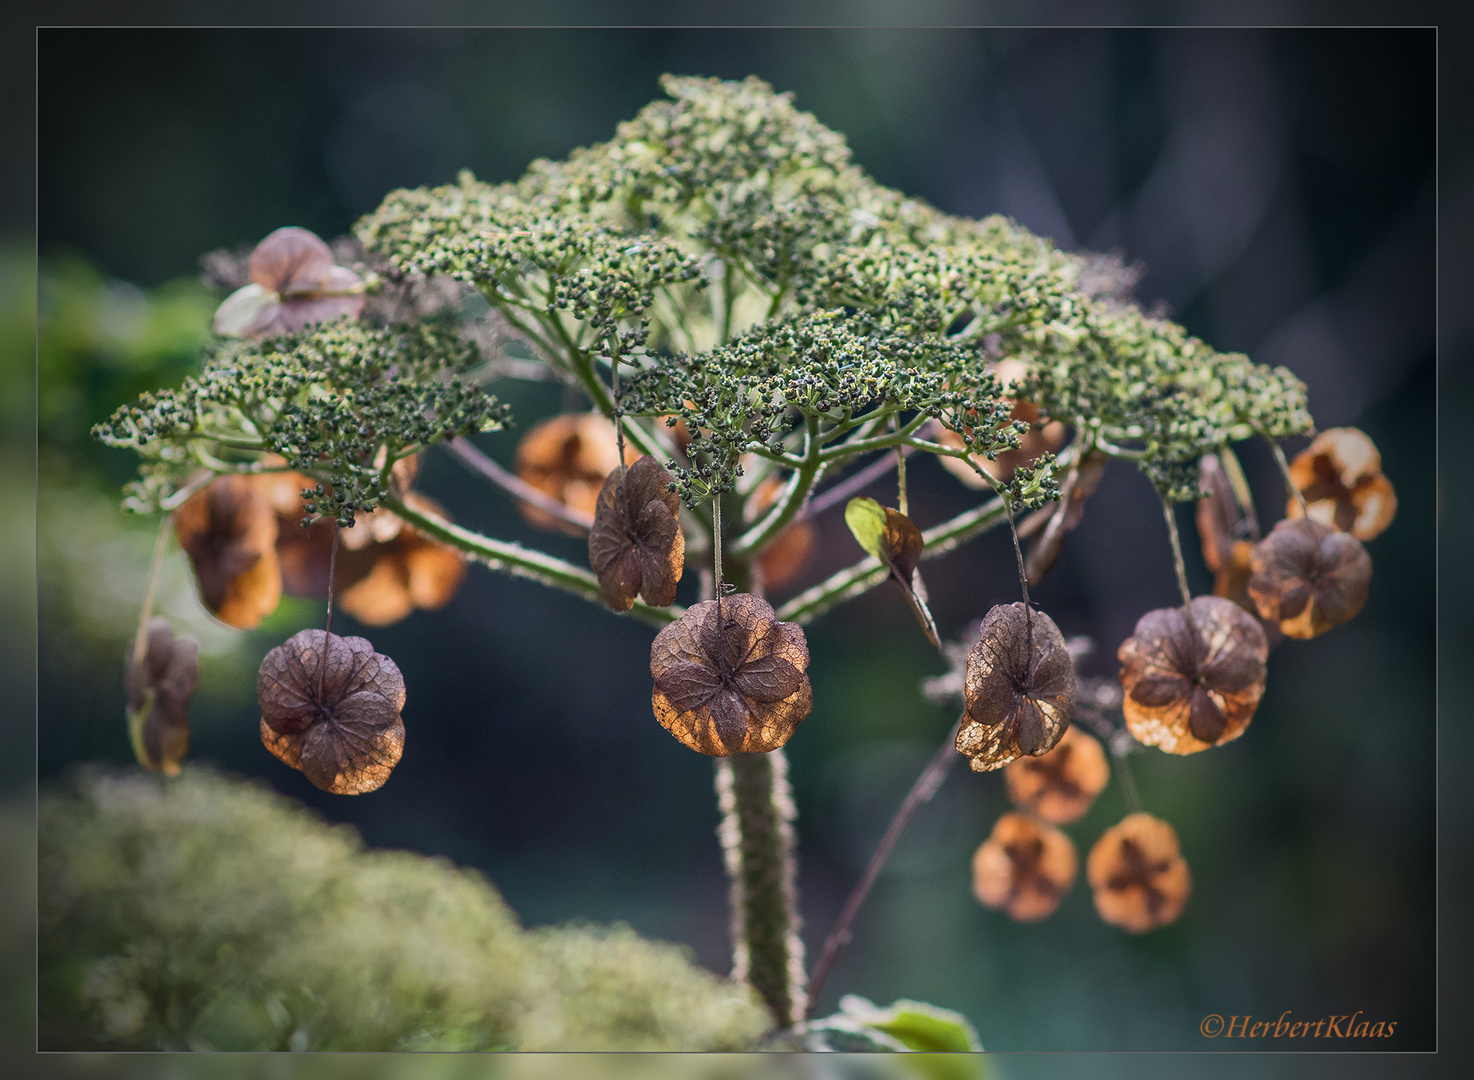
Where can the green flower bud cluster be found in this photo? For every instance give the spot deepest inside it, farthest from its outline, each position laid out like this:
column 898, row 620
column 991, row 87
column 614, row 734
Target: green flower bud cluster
column 340, row 403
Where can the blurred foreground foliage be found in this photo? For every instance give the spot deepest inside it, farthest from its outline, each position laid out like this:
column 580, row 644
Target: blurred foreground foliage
column 210, row 913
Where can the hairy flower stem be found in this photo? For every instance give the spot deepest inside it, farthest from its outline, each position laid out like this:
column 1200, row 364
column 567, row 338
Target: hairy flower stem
column 1290, row 485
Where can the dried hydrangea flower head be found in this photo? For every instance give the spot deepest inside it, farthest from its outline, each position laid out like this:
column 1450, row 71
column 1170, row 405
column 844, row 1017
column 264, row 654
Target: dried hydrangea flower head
column 164, row 682
column 295, row 283
column 636, row 546
column 1138, row 874
column 1309, row 578
column 229, row 531
column 568, row 457
column 1025, row 867
column 330, row 706
column 730, row 678
column 1340, row 476
column 1042, row 437
column 1189, row 684
column 1060, row 786
column 1020, row 688
column 387, row 568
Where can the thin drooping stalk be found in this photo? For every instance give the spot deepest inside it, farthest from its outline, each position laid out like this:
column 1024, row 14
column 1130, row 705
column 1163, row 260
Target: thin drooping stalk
column 1177, row 561
column 1128, row 783
column 841, row 491
column 922, row 791
column 1239, row 484
column 900, row 473
column 146, row 609
column 472, row 457
column 1290, row 485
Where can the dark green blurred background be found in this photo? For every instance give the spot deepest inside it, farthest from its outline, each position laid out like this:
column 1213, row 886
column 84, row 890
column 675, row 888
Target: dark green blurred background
column 1278, row 185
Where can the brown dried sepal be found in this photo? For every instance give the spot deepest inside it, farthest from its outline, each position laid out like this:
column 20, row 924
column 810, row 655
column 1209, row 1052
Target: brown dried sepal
column 387, row 568
column 330, row 706
column 1020, row 688
column 568, row 457
column 636, row 546
column 1060, row 786
column 730, row 678
column 295, row 283
column 1138, row 874
column 163, row 683
column 1188, row 686
column 1308, row 577
column 1025, row 867
column 789, row 552
column 1231, row 582
column 229, row 531
column 1217, row 514
column 1340, row 476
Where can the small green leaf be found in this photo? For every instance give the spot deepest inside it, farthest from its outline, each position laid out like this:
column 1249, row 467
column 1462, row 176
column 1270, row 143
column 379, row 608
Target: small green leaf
column 867, row 519
column 905, row 1026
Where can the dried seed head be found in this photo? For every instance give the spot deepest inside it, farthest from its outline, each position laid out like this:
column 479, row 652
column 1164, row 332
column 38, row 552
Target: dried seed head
column 164, row 681
column 229, row 531
column 1020, row 688
column 568, row 457
column 1309, row 578
column 789, row 552
column 1340, row 475
column 330, row 707
column 1061, row 785
column 636, row 546
column 1025, row 867
column 730, row 678
column 1231, row 582
column 392, row 568
column 294, row 284
column 1191, row 685
column 1138, row 874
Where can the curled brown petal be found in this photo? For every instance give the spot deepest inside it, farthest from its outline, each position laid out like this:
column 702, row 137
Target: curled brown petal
column 1060, row 786
column 330, row 706
column 165, row 681
column 1188, row 685
column 1020, row 688
column 1025, row 867
column 291, row 259
column 568, row 457
column 229, row 531
column 1217, row 514
column 1138, row 874
column 636, row 546
column 729, row 677
column 1309, row 578
column 1340, row 477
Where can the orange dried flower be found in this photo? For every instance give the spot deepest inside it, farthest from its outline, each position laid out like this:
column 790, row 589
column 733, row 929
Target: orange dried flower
column 330, row 706
column 1045, row 437
column 1025, row 867
column 1187, row 686
column 568, row 457
column 729, row 677
column 789, row 553
column 394, row 568
column 1139, row 876
column 1340, row 475
column 1020, row 688
column 229, row 531
column 636, row 546
column 1309, row 578
column 164, row 682
column 1061, row 785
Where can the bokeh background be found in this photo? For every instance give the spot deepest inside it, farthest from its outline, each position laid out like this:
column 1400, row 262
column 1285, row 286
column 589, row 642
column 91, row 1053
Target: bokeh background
column 1277, row 186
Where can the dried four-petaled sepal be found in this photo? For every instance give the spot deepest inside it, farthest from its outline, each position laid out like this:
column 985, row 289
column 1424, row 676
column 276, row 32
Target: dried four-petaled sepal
column 295, row 283
column 229, row 531
column 1309, row 578
column 568, row 458
column 1191, row 684
column 1138, row 874
column 1025, row 867
column 163, row 682
column 636, row 546
column 1340, row 476
column 1020, row 688
column 730, row 678
column 1060, row 786
column 330, row 706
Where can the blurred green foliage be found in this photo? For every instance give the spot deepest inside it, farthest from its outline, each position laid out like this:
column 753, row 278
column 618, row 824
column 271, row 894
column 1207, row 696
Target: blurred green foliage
column 209, row 913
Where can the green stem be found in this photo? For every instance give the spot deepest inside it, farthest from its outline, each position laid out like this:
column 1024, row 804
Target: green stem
column 870, row 571
column 520, row 562
column 792, row 500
